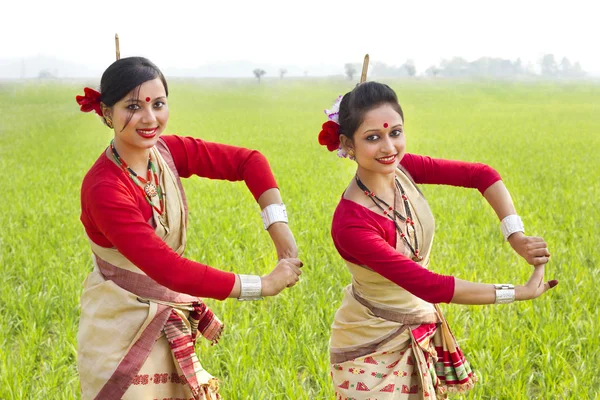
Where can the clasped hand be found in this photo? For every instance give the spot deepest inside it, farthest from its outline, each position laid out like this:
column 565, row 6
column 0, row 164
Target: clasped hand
column 532, row 248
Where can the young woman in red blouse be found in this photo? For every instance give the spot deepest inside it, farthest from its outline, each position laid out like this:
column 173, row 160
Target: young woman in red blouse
column 140, row 308
column 389, row 338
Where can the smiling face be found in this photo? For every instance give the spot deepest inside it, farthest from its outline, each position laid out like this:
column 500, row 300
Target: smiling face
column 141, row 116
column 379, row 142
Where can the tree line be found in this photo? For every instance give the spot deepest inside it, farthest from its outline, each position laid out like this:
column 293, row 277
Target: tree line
column 456, row 67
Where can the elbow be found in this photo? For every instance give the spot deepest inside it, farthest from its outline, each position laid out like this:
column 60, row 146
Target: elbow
column 441, row 290
column 486, row 177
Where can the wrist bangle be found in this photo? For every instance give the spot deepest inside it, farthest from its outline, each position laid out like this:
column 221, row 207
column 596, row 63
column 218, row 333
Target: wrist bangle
column 505, row 293
column 510, row 225
column 273, row 213
column 250, row 287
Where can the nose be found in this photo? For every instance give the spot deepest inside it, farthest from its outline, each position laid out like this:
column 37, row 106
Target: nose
column 387, row 145
column 148, row 117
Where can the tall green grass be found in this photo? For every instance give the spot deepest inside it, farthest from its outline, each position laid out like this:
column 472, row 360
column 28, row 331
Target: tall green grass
column 542, row 137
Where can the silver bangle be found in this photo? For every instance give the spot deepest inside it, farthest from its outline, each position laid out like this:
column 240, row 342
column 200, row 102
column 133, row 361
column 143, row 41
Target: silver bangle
column 510, row 225
column 505, row 293
column 250, row 287
column 274, row 213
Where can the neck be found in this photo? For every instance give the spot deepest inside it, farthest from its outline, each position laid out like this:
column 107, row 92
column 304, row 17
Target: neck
column 380, row 184
column 136, row 158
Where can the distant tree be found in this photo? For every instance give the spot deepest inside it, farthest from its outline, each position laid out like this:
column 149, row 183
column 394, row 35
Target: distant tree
column 47, row 74
column 305, row 73
column 495, row 67
column 548, row 65
column 410, row 68
column 432, row 71
column 258, row 73
column 568, row 70
column 577, row 71
column 382, row 70
column 350, row 71
column 282, row 72
column 456, row 66
column 565, row 66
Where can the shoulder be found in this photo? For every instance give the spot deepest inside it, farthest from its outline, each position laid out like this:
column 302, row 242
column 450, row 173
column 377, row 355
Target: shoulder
column 103, row 180
column 349, row 214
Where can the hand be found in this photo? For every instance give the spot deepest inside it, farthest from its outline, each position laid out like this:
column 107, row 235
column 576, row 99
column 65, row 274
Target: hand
column 284, row 241
column 285, row 274
column 533, row 249
column 535, row 287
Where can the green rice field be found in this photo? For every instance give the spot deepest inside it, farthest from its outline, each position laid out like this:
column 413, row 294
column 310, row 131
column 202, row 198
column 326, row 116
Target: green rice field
column 543, row 138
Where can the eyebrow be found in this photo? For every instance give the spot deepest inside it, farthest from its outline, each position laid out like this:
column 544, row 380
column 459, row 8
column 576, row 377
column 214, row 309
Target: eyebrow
column 377, row 130
column 132, row 100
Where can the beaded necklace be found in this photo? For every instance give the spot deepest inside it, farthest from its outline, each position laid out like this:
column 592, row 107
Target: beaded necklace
column 149, row 188
column 393, row 214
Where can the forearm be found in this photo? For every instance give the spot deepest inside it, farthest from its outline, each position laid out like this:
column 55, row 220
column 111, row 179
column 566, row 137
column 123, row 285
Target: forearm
column 280, row 233
column 498, row 197
column 235, row 291
column 270, row 196
column 472, row 293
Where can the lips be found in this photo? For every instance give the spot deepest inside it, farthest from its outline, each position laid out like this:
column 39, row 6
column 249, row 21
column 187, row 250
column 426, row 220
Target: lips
column 147, row 133
column 387, row 160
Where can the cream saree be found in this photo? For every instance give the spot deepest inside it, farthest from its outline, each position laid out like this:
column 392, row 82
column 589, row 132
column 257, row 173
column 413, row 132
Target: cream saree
column 389, row 344
column 136, row 337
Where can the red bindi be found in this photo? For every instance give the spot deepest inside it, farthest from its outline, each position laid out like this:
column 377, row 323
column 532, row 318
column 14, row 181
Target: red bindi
column 385, row 124
column 148, row 100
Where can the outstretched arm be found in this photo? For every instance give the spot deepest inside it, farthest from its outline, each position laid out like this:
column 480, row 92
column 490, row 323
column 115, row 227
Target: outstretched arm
column 366, row 247
column 482, row 177
column 466, row 292
column 533, row 249
column 220, row 161
column 281, row 234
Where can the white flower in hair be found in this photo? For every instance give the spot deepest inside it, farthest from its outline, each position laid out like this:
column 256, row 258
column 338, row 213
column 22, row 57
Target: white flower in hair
column 333, row 114
column 341, row 153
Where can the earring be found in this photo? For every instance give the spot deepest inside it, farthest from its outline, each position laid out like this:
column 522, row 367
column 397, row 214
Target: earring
column 109, row 122
column 351, row 154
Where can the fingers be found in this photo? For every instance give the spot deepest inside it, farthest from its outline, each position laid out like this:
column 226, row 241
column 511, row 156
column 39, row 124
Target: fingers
column 293, row 266
column 537, row 244
column 549, row 285
column 536, row 261
column 539, row 252
column 294, row 277
column 535, row 239
column 537, row 277
column 294, row 261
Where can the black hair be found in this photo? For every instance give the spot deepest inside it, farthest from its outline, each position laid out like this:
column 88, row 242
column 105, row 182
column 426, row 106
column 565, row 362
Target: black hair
column 362, row 99
column 126, row 74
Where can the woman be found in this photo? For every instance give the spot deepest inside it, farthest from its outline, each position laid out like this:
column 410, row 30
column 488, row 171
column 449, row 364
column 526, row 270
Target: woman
column 140, row 308
column 389, row 339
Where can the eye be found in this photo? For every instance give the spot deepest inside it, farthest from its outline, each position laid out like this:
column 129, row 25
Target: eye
column 372, row 138
column 133, row 107
column 396, row 133
column 159, row 104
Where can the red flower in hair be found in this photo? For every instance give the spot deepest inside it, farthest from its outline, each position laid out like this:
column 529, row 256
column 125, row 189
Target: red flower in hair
column 90, row 101
column 330, row 136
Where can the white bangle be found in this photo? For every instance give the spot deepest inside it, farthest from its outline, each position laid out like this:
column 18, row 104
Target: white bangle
column 250, row 287
column 273, row 213
column 505, row 293
column 510, row 225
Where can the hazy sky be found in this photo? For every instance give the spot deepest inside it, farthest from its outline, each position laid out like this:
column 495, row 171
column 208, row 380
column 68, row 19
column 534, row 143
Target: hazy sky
column 180, row 33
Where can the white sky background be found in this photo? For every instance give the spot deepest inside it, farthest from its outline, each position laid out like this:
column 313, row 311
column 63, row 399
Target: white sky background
column 187, row 34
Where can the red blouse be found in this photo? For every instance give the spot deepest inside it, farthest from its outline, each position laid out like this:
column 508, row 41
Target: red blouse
column 115, row 213
column 364, row 237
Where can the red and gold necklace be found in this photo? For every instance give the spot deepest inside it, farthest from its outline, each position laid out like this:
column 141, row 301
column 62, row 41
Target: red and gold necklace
column 393, row 214
column 149, row 186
